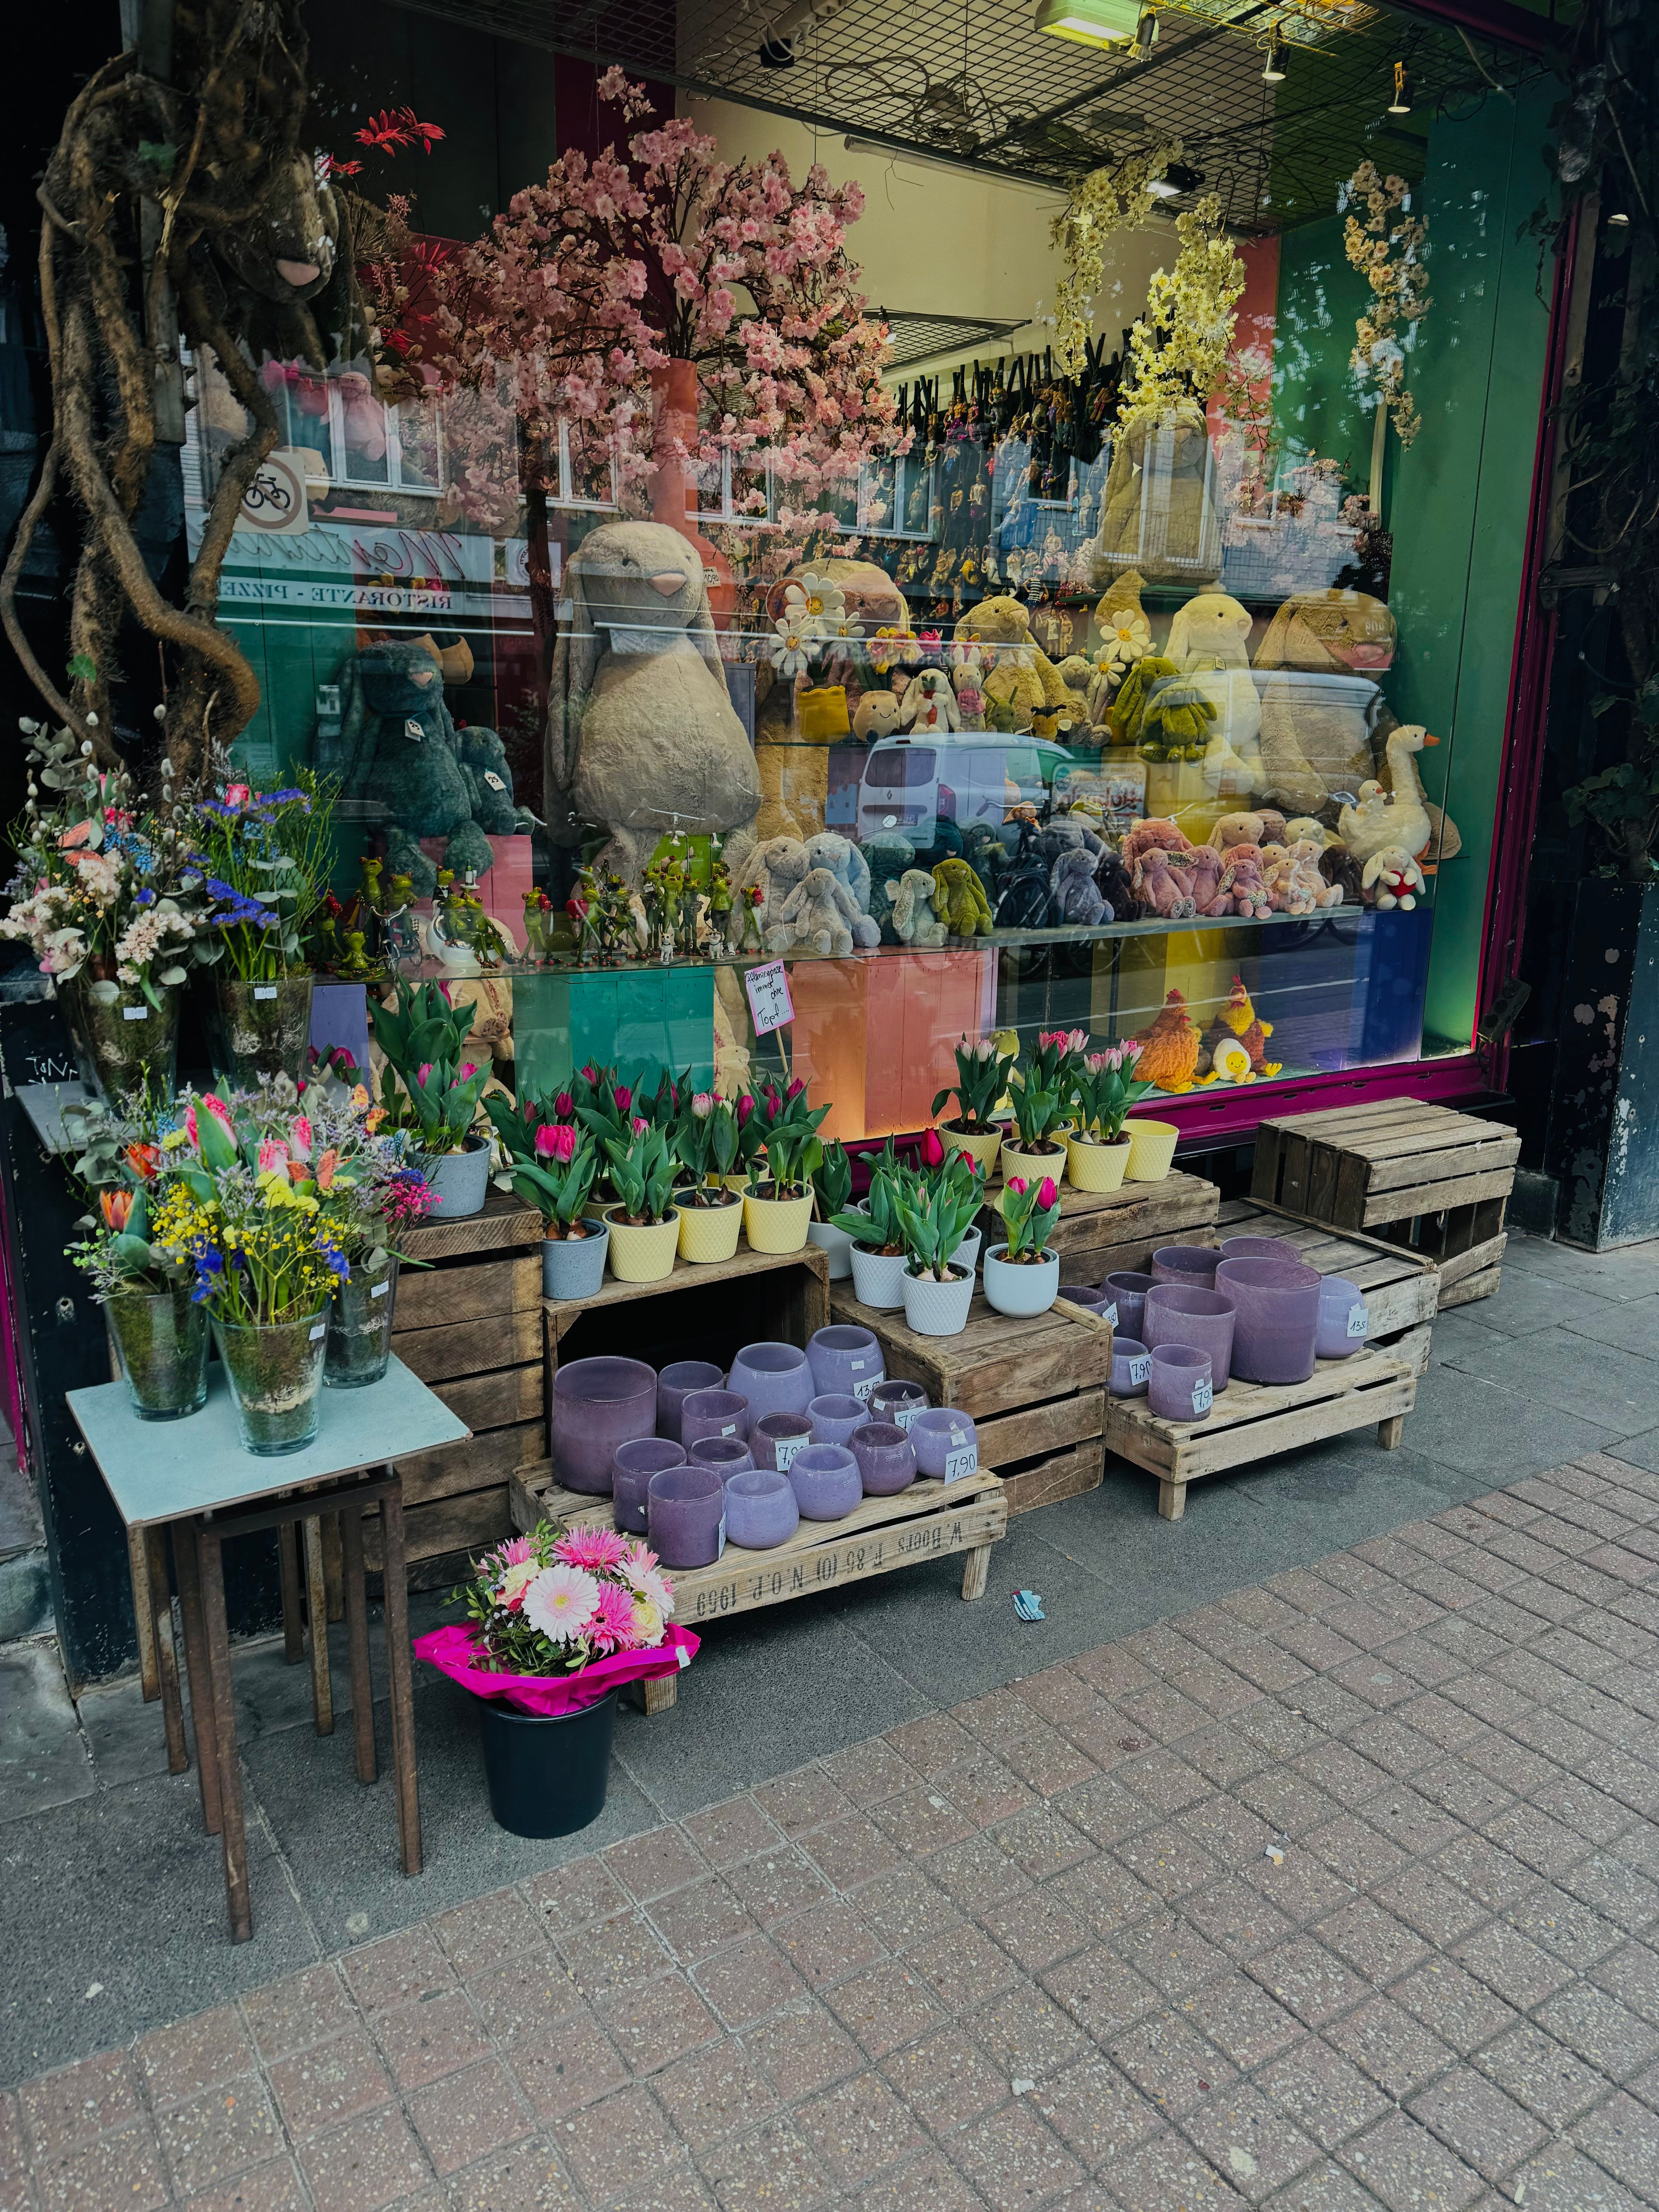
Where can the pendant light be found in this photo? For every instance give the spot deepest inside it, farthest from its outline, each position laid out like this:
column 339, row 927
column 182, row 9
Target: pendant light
column 1401, row 102
column 1273, row 70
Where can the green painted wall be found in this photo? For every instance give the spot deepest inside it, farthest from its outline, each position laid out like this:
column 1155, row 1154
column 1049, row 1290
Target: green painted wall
column 1456, row 502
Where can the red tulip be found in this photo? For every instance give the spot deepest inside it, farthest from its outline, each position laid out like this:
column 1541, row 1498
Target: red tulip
column 1016, row 1186
column 623, row 1097
column 564, row 1106
column 1047, row 1193
column 933, row 1151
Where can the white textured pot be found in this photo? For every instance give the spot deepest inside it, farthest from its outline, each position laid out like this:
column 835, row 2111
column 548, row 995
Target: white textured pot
column 938, row 1308
column 837, row 1244
column 967, row 1253
column 1020, row 1289
column 878, row 1278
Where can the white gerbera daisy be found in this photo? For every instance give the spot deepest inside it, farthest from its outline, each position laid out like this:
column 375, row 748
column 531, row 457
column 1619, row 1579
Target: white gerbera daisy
column 560, row 1602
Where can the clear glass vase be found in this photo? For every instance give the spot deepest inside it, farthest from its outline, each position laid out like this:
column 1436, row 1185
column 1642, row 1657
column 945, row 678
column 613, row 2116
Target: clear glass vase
column 261, row 1028
column 276, row 1375
column 161, row 1341
column 123, row 1046
column 360, row 1327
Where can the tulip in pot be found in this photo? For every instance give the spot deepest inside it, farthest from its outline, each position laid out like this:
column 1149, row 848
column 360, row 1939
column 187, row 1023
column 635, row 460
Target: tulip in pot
column 1041, row 1094
column 644, row 1224
column 1021, row 1277
column 832, row 1188
column 557, row 1621
column 777, row 1210
column 710, row 1213
column 554, row 1166
column 876, row 1240
column 433, row 1091
column 1098, row 1147
column 981, row 1078
column 936, row 1210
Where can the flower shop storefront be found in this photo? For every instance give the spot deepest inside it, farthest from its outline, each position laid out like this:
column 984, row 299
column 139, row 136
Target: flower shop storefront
column 830, row 681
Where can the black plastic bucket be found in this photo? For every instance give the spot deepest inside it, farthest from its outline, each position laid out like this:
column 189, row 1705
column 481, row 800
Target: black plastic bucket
column 548, row 1773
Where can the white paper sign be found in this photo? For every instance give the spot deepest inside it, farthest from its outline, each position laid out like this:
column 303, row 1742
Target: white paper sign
column 770, row 1005
column 1359, row 1321
column 958, row 1463
column 1140, row 1367
column 902, row 1416
column 321, row 1330
column 1203, row 1399
column 729, row 1429
column 380, row 1290
column 135, row 1013
column 784, row 1449
column 1109, row 1315
column 863, row 1388
column 264, row 990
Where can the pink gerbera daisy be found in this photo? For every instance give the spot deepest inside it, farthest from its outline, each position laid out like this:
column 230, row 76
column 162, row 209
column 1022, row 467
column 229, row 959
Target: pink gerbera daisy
column 612, row 1627
column 516, row 1549
column 597, row 1549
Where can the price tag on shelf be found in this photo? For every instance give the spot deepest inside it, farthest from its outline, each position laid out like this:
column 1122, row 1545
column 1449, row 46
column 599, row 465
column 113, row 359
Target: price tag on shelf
column 1359, row 1321
column 264, row 990
column 958, row 1463
column 1203, row 1399
column 770, row 1005
column 784, row 1450
column 1140, row 1368
column 728, row 1429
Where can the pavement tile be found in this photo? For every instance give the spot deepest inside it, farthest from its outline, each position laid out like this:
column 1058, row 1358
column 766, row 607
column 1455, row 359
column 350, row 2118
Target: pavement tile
column 1172, row 1955
column 884, row 2006
column 122, row 2168
column 319, row 2087
column 1096, row 2111
column 858, row 2130
column 612, row 2146
column 770, row 2171
column 931, row 1743
column 1235, row 1914
column 1310, row 1979
column 174, row 2063
column 78, row 2102
column 1171, row 2063
column 1561, row 2180
column 1473, row 2116
column 1462, row 2011
column 660, row 2022
column 926, row 2185
column 1371, row 1939
column 487, row 1932
column 1034, row 1928
column 219, row 2132
column 1542, row 2074
column 1251, row 2141
column 1624, row 2136
column 1042, row 1843
column 920, row 1820
column 802, row 2050
column 851, row 1851
column 946, row 2078
column 1013, row 2159
column 1100, row 1991
column 712, row 2093
column 1600, row 2029
column 782, row 1880
column 798, row 1802
column 562, row 2073
column 529, row 2177
column 1027, row 2035
column 612, row 1954
column 648, row 1866
column 699, row 1919
column 737, row 1830
column 963, row 1967
column 1631, row 1975
column 468, row 2115
column 397, row 1971
column 435, row 2036
column 1384, row 2041
column 1168, row 2171
column 1326, row 2187
column 369, row 2162
column 867, row 1773
column 1405, row 2167
column 273, row 2187
column 908, row 1910
column 1429, row 1901
column 1104, row 1895
column 747, row 1982
column 828, row 1940
column 571, row 1895
column 1243, row 2020
column 525, row 1996
column 1512, row 1964
column 1325, row 2094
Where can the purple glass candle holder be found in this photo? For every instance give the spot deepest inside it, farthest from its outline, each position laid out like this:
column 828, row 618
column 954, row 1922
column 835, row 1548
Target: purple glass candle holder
column 714, row 1414
column 675, row 1384
column 834, row 1416
column 761, row 1511
column 1278, row 1323
column 1344, row 1319
column 1128, row 1292
column 598, row 1404
column 631, row 1471
column 1084, row 1295
column 685, row 1516
column 886, row 1458
column 1203, row 1319
column 845, row 1361
column 776, row 1378
column 1132, row 1366
column 1178, row 1388
column 1256, row 1248
column 727, row 1456
column 898, row 1401
column 826, row 1481
column 946, row 1441
column 1194, row 1265
column 777, row 1437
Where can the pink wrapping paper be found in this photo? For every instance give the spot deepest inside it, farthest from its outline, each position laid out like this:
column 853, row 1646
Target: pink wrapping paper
column 454, row 1651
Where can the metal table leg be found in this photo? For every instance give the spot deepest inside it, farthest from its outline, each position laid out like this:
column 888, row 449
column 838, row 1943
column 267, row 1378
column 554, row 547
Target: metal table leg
column 160, row 1593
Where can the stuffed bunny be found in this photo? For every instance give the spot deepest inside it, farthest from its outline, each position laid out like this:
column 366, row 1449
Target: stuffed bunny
column 930, row 704
column 818, row 912
column 776, row 865
column 1073, row 888
column 1244, row 880
column 959, row 900
column 1202, row 868
column 847, row 864
column 1391, row 877
column 914, row 922
column 1163, row 885
column 641, row 735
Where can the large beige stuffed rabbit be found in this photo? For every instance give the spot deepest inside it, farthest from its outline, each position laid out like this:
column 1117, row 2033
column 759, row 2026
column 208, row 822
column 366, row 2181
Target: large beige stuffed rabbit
column 641, row 734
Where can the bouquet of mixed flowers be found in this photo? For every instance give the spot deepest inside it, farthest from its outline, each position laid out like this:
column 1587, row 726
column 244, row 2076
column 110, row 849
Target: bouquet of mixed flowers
column 140, row 1239
column 262, row 861
column 560, row 1616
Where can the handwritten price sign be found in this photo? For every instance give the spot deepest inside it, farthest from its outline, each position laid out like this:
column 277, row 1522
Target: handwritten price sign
column 770, row 1005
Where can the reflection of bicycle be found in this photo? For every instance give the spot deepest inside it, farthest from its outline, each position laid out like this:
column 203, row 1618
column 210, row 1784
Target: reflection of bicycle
column 267, row 491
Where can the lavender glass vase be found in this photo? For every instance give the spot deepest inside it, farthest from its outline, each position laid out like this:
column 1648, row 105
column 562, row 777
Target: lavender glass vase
column 834, row 1416
column 897, row 1401
column 714, row 1414
column 631, row 1471
column 598, row 1404
column 946, row 1441
column 1256, row 1248
column 685, row 1517
column 886, row 1458
column 1278, row 1323
column 826, row 1482
column 1132, row 1367
column 776, row 1378
column 1203, row 1319
column 1178, row 1388
column 1344, row 1319
column 761, row 1511
column 1128, row 1292
column 775, row 1438
column 1192, row 1264
column 1084, row 1295
column 845, row 1359
column 727, row 1456
column 675, row 1384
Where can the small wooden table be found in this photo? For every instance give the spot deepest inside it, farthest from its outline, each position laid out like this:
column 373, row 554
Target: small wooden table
column 194, row 1478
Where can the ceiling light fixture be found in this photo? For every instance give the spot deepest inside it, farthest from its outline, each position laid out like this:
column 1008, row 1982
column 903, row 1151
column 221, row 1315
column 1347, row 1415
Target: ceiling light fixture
column 1092, row 23
column 1273, row 70
column 1401, row 102
column 1146, row 32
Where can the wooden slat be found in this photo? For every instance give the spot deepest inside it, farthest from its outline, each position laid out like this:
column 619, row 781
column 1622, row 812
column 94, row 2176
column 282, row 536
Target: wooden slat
column 1432, row 1163
column 686, row 1277
column 480, row 1462
column 438, row 1355
column 440, row 1296
column 1465, row 1293
column 1041, row 1429
column 498, row 1398
column 1375, row 1113
column 1474, row 1261
column 1413, row 1346
column 995, row 1364
column 1435, row 1197
column 469, row 1523
column 1378, row 1401
column 1250, row 1422
column 1401, row 1287
column 550, row 1501
column 1241, row 1403
column 1068, row 1474
column 503, row 1223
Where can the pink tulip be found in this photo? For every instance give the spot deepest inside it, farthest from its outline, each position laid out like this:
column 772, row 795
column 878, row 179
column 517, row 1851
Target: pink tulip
column 745, row 1108
column 623, row 1097
column 216, row 1106
column 299, row 1136
column 640, row 1126
column 273, row 1157
column 1046, row 1194
column 796, row 1086
column 931, row 1151
column 469, row 1067
column 1016, row 1185
column 422, row 1072
column 564, row 1106
column 556, row 1141
column 702, row 1105
column 590, row 1073
column 235, row 794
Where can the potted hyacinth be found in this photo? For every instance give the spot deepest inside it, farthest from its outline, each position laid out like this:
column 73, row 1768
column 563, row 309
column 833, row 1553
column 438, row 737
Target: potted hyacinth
column 1097, row 1147
column 832, row 1188
column 1041, row 1100
column 554, row 1167
column 980, row 1083
column 644, row 1224
column 262, row 859
column 1022, row 1277
column 710, row 1211
column 936, row 1211
column 557, row 1620
column 777, row 1210
column 432, row 1093
column 878, row 1252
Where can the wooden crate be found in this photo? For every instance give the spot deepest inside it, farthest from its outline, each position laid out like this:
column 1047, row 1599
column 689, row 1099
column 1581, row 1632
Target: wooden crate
column 1100, row 1233
column 1035, row 1389
column 470, row 1325
column 1415, row 1174
column 1401, row 1289
column 1251, row 1422
column 881, row 1534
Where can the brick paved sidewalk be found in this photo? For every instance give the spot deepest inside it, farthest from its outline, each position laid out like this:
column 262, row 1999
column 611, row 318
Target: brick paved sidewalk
column 1338, row 1894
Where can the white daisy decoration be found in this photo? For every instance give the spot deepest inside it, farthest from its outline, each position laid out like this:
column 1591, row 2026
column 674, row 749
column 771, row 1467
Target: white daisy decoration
column 790, row 651
column 826, row 603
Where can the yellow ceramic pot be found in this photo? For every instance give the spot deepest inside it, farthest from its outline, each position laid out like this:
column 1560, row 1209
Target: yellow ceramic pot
column 981, row 1149
column 776, row 1225
column 709, row 1232
column 1090, row 1166
column 642, row 1252
column 1151, row 1149
column 1029, row 1164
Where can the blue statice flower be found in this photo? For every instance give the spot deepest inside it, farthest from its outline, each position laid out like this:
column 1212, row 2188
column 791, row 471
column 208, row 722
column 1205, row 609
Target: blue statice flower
column 145, row 898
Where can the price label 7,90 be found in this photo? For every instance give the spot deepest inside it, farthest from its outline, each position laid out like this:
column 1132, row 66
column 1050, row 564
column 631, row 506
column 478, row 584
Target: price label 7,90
column 784, row 1450
column 1140, row 1368
column 1203, row 1399
column 958, row 1463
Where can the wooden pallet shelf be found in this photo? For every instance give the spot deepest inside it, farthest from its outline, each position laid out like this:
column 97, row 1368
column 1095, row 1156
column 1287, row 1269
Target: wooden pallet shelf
column 1035, row 1389
column 1100, row 1233
column 1251, row 1422
column 780, row 1295
column 1402, row 1290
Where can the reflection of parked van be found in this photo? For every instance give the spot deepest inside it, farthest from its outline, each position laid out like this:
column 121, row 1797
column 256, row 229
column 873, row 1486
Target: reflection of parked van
column 908, row 784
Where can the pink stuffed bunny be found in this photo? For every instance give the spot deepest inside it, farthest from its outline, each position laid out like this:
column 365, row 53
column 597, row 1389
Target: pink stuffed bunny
column 1245, row 879
column 1161, row 886
column 1202, row 868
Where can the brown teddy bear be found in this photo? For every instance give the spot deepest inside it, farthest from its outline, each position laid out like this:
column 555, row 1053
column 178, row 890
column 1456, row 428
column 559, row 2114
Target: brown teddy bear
column 1024, row 683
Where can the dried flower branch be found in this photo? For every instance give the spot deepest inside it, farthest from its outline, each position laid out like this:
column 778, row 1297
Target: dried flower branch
column 1108, row 200
column 1399, row 287
column 1178, row 349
